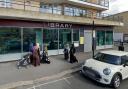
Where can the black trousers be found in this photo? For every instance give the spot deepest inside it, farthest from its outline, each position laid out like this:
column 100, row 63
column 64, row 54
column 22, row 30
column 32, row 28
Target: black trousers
column 66, row 56
column 73, row 58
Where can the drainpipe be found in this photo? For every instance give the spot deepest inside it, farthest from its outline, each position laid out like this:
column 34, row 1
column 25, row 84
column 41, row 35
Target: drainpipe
column 93, row 39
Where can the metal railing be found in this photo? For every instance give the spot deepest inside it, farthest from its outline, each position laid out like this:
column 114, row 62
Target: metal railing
column 104, row 3
column 112, row 17
column 25, row 5
column 103, row 16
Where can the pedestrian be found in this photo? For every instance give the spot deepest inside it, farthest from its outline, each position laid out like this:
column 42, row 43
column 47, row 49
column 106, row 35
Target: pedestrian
column 36, row 54
column 72, row 52
column 66, row 52
column 38, row 45
column 46, row 49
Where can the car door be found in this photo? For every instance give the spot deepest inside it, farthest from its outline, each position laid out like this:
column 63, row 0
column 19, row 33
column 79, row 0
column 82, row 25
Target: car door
column 124, row 69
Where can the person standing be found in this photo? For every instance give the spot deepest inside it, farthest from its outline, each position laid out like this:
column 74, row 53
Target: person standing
column 72, row 52
column 36, row 55
column 46, row 49
column 38, row 45
column 66, row 52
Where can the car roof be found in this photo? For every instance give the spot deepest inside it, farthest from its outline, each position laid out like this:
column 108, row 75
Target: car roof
column 115, row 52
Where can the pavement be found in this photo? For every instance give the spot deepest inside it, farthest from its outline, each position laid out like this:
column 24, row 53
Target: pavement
column 11, row 77
column 73, row 81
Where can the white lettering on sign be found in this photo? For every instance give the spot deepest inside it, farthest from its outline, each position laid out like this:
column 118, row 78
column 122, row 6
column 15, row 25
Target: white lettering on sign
column 59, row 25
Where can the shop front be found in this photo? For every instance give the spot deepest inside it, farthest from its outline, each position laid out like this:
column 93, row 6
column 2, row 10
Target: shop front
column 104, row 39
column 16, row 37
column 56, row 39
column 16, row 40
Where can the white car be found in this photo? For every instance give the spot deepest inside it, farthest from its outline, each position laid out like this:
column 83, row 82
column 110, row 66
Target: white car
column 107, row 67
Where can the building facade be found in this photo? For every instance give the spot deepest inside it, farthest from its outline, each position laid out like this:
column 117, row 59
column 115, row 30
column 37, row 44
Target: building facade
column 54, row 23
column 121, row 33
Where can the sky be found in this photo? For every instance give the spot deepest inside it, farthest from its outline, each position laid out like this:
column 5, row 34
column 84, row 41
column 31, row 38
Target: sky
column 117, row 6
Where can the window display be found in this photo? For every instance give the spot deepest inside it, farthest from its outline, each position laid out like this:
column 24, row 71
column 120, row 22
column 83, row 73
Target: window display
column 104, row 38
column 64, row 37
column 31, row 36
column 50, row 38
column 109, row 37
column 75, row 35
column 10, row 40
column 100, row 38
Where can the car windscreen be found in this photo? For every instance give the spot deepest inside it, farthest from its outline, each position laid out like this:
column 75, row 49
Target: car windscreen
column 107, row 58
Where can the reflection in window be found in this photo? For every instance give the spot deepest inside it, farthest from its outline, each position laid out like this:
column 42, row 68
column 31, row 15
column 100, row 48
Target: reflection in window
column 76, row 12
column 104, row 38
column 104, row 3
column 89, row 13
column 109, row 37
column 107, row 58
column 68, row 11
column 49, row 8
column 28, row 38
column 50, row 38
column 83, row 0
column 98, row 15
column 10, row 40
column 31, row 36
column 45, row 8
column 64, row 37
column 56, row 9
column 76, row 35
column 81, row 12
column 100, row 38
column 5, row 3
column 85, row 13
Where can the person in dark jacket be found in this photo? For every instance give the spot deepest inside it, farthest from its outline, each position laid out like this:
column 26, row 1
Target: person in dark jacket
column 66, row 52
column 72, row 52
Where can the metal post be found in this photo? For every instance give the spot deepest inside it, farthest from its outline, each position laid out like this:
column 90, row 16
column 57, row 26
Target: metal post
column 21, row 42
column 42, row 39
column 52, row 9
column 72, row 36
column 58, row 40
column 24, row 5
column 93, row 39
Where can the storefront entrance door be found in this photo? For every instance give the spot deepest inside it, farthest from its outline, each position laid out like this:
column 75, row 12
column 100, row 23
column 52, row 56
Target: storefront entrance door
column 64, row 39
column 50, row 38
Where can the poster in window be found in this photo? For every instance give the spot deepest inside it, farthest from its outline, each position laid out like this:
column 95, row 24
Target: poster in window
column 81, row 40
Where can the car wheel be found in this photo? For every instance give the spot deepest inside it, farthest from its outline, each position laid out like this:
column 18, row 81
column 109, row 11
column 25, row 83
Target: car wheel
column 116, row 81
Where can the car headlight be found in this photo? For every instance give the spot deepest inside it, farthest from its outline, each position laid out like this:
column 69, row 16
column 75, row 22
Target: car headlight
column 106, row 71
